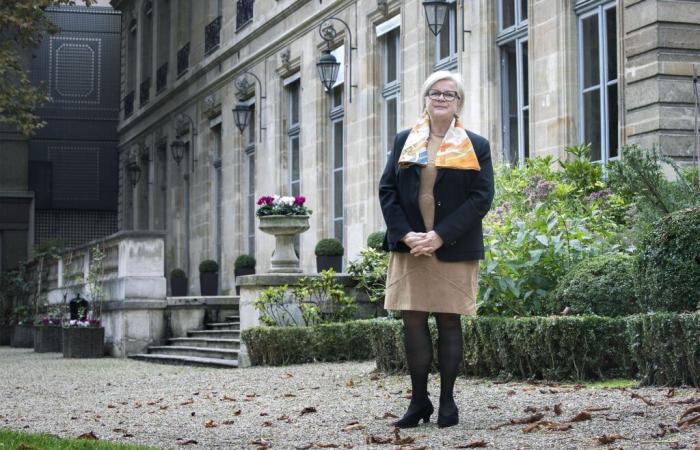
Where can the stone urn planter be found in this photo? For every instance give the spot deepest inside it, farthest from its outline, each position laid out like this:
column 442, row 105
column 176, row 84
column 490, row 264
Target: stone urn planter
column 284, row 228
column 48, row 339
column 83, row 342
column 23, row 336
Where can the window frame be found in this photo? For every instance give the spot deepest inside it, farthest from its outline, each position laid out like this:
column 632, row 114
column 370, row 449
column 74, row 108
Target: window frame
column 293, row 133
column 337, row 115
column 449, row 62
column 390, row 90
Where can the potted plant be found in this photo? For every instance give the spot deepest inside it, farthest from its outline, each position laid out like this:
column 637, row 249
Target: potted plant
column 178, row 283
column 209, row 277
column 329, row 255
column 376, row 240
column 10, row 281
column 83, row 336
column 244, row 265
column 23, row 331
column 48, row 331
column 284, row 218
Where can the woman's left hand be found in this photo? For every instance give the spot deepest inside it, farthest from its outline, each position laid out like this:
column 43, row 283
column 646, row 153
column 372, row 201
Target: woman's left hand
column 427, row 245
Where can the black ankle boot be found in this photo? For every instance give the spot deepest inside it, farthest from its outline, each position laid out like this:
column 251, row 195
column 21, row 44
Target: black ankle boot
column 416, row 412
column 448, row 414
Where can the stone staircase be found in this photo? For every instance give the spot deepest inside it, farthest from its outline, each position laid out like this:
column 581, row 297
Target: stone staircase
column 215, row 346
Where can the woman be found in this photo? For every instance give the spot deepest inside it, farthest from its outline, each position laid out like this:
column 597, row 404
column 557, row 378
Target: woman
column 435, row 190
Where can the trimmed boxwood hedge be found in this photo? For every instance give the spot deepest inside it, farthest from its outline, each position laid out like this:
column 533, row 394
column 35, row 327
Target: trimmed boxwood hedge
column 658, row 349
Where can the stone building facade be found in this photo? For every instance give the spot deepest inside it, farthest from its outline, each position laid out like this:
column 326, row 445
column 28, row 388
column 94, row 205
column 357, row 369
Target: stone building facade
column 539, row 75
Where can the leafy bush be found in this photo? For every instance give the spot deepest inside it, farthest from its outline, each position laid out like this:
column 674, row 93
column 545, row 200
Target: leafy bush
column 376, row 240
column 178, row 273
column 208, row 266
column 602, row 285
column 346, row 341
column 329, row 247
column 244, row 262
column 369, row 271
column 666, row 348
column 668, row 269
column 310, row 302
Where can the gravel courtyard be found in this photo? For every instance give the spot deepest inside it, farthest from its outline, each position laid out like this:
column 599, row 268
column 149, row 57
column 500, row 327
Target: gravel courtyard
column 344, row 405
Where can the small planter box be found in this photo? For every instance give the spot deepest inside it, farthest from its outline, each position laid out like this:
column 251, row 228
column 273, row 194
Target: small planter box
column 5, row 334
column 209, row 283
column 241, row 272
column 48, row 339
column 23, row 336
column 83, row 342
column 329, row 262
column 178, row 287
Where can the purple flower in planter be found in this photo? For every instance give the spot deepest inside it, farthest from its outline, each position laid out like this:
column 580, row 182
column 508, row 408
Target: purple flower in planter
column 299, row 200
column 265, row 200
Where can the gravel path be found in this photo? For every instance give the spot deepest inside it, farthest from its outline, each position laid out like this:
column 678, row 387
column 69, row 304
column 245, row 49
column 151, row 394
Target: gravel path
column 309, row 406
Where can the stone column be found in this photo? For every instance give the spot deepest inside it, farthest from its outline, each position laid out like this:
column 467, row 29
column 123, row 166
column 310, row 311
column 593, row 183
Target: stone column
column 661, row 44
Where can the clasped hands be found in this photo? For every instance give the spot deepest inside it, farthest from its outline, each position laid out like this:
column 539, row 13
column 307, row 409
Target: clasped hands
column 422, row 243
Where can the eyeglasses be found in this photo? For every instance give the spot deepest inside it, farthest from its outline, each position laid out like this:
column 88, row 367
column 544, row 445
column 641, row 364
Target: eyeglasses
column 448, row 96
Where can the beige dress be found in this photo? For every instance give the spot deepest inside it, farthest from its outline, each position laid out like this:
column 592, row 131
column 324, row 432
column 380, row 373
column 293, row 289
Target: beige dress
column 424, row 283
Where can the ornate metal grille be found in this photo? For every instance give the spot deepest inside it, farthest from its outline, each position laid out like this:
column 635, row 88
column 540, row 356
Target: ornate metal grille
column 161, row 77
column 244, row 12
column 211, row 35
column 183, row 59
column 129, row 104
column 145, row 91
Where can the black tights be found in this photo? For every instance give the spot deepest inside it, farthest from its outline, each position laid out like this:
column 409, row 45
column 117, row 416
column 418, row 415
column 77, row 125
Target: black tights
column 419, row 354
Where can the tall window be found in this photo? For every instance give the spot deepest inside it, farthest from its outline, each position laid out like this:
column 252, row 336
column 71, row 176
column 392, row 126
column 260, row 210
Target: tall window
column 446, row 42
column 244, row 13
column 515, row 95
column 163, row 46
column 337, row 161
column 598, row 81
column 250, row 182
column 293, row 130
column 391, row 83
column 218, row 192
column 147, row 52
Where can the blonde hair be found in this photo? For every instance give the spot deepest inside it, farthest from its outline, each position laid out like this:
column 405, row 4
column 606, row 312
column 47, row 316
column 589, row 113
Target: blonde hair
column 445, row 75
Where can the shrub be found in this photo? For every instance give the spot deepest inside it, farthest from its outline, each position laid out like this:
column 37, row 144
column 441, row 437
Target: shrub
column 666, row 348
column 376, row 240
column 668, row 270
column 208, row 266
column 602, row 285
column 245, row 262
column 329, row 247
column 294, row 345
column 178, row 273
column 369, row 271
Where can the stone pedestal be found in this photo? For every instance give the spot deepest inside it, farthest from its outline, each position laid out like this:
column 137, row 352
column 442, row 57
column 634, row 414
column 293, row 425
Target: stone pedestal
column 284, row 228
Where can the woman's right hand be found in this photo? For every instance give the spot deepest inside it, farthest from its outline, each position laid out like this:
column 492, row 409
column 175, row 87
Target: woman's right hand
column 412, row 238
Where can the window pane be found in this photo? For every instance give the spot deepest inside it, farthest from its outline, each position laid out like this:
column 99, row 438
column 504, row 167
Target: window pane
column 526, row 132
column 338, row 230
column 296, row 191
column 337, row 96
column 523, row 10
column 294, row 163
column 444, row 39
column 611, row 30
column 525, row 81
column 591, row 62
column 612, row 121
column 294, row 103
column 391, row 60
column 338, row 144
column 338, row 193
column 591, row 122
column 391, row 120
column 507, row 13
column 510, row 95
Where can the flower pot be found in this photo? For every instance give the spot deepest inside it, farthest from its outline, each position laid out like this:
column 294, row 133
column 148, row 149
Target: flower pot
column 178, row 287
column 239, row 273
column 83, row 342
column 23, row 336
column 329, row 262
column 209, row 283
column 48, row 338
column 284, row 228
column 5, row 334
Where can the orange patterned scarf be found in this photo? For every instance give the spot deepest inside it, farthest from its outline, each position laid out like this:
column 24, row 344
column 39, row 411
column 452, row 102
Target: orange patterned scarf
column 455, row 152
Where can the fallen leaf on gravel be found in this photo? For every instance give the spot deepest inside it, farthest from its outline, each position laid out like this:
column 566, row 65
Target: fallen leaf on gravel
column 188, row 442
column 685, row 423
column 283, row 417
column 671, row 393
column 226, row 397
column 119, row 430
column 287, row 375
column 353, row 427
column 372, row 439
column 260, row 442
column 609, row 439
column 557, row 409
column 263, row 414
column 111, row 406
column 473, row 444
column 553, row 426
column 164, row 407
column 687, row 401
column 89, row 436
column 326, row 445
column 580, row 417
column 267, row 423
column 398, row 440
column 227, row 422
column 237, row 412
column 307, row 410
column 530, row 409
column 374, row 377
column 691, row 410
column 253, row 395
column 187, row 402
column 493, row 407
column 304, row 447
column 520, row 421
column 352, row 446
column 604, row 408
column 388, row 415
column 210, row 424
column 350, row 383
column 642, row 398
column 511, row 393
column 127, row 435
column 289, row 395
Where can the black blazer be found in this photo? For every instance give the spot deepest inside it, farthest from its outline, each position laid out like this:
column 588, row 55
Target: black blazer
column 462, row 199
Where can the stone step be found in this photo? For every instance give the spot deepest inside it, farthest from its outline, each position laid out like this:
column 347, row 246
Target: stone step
column 199, row 352
column 215, row 334
column 187, row 360
column 224, row 326
column 203, row 342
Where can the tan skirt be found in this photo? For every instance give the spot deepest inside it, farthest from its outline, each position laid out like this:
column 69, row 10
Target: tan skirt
column 424, row 283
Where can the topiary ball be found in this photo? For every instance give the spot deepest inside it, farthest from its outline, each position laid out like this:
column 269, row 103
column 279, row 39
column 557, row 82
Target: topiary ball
column 178, row 273
column 376, row 240
column 329, row 247
column 208, row 266
column 668, row 270
column 602, row 285
column 245, row 262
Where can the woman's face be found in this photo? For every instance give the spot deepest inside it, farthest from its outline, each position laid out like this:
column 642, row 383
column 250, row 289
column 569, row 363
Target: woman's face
column 440, row 108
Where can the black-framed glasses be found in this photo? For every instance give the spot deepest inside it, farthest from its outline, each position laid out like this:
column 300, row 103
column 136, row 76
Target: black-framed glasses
column 448, row 96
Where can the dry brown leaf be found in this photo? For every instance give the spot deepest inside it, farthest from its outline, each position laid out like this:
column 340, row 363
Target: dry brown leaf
column 530, row 409
column 267, row 423
column 164, row 407
column 685, row 423
column 388, row 415
column 642, row 398
column 520, row 421
column 210, row 424
column 350, row 383
column 119, row 430
column 354, row 426
column 348, row 446
column 372, row 439
column 580, row 417
column 188, row 442
column 671, row 393
column 263, row 414
column 604, row 408
column 323, row 445
column 687, row 401
column 557, row 409
column 283, row 417
column 473, row 444
column 691, row 410
column 228, row 422
column 398, row 440
column 287, row 375
column 304, row 447
column 493, row 407
column 237, row 412
column 260, row 442
column 374, row 377
column 308, row 410
column 89, row 436
column 226, row 397
column 552, row 426
column 187, row 402
column 609, row 438
column 111, row 406
column 289, row 395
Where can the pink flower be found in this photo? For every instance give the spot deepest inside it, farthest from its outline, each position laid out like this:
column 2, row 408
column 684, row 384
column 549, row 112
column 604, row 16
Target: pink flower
column 265, row 200
column 299, row 200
